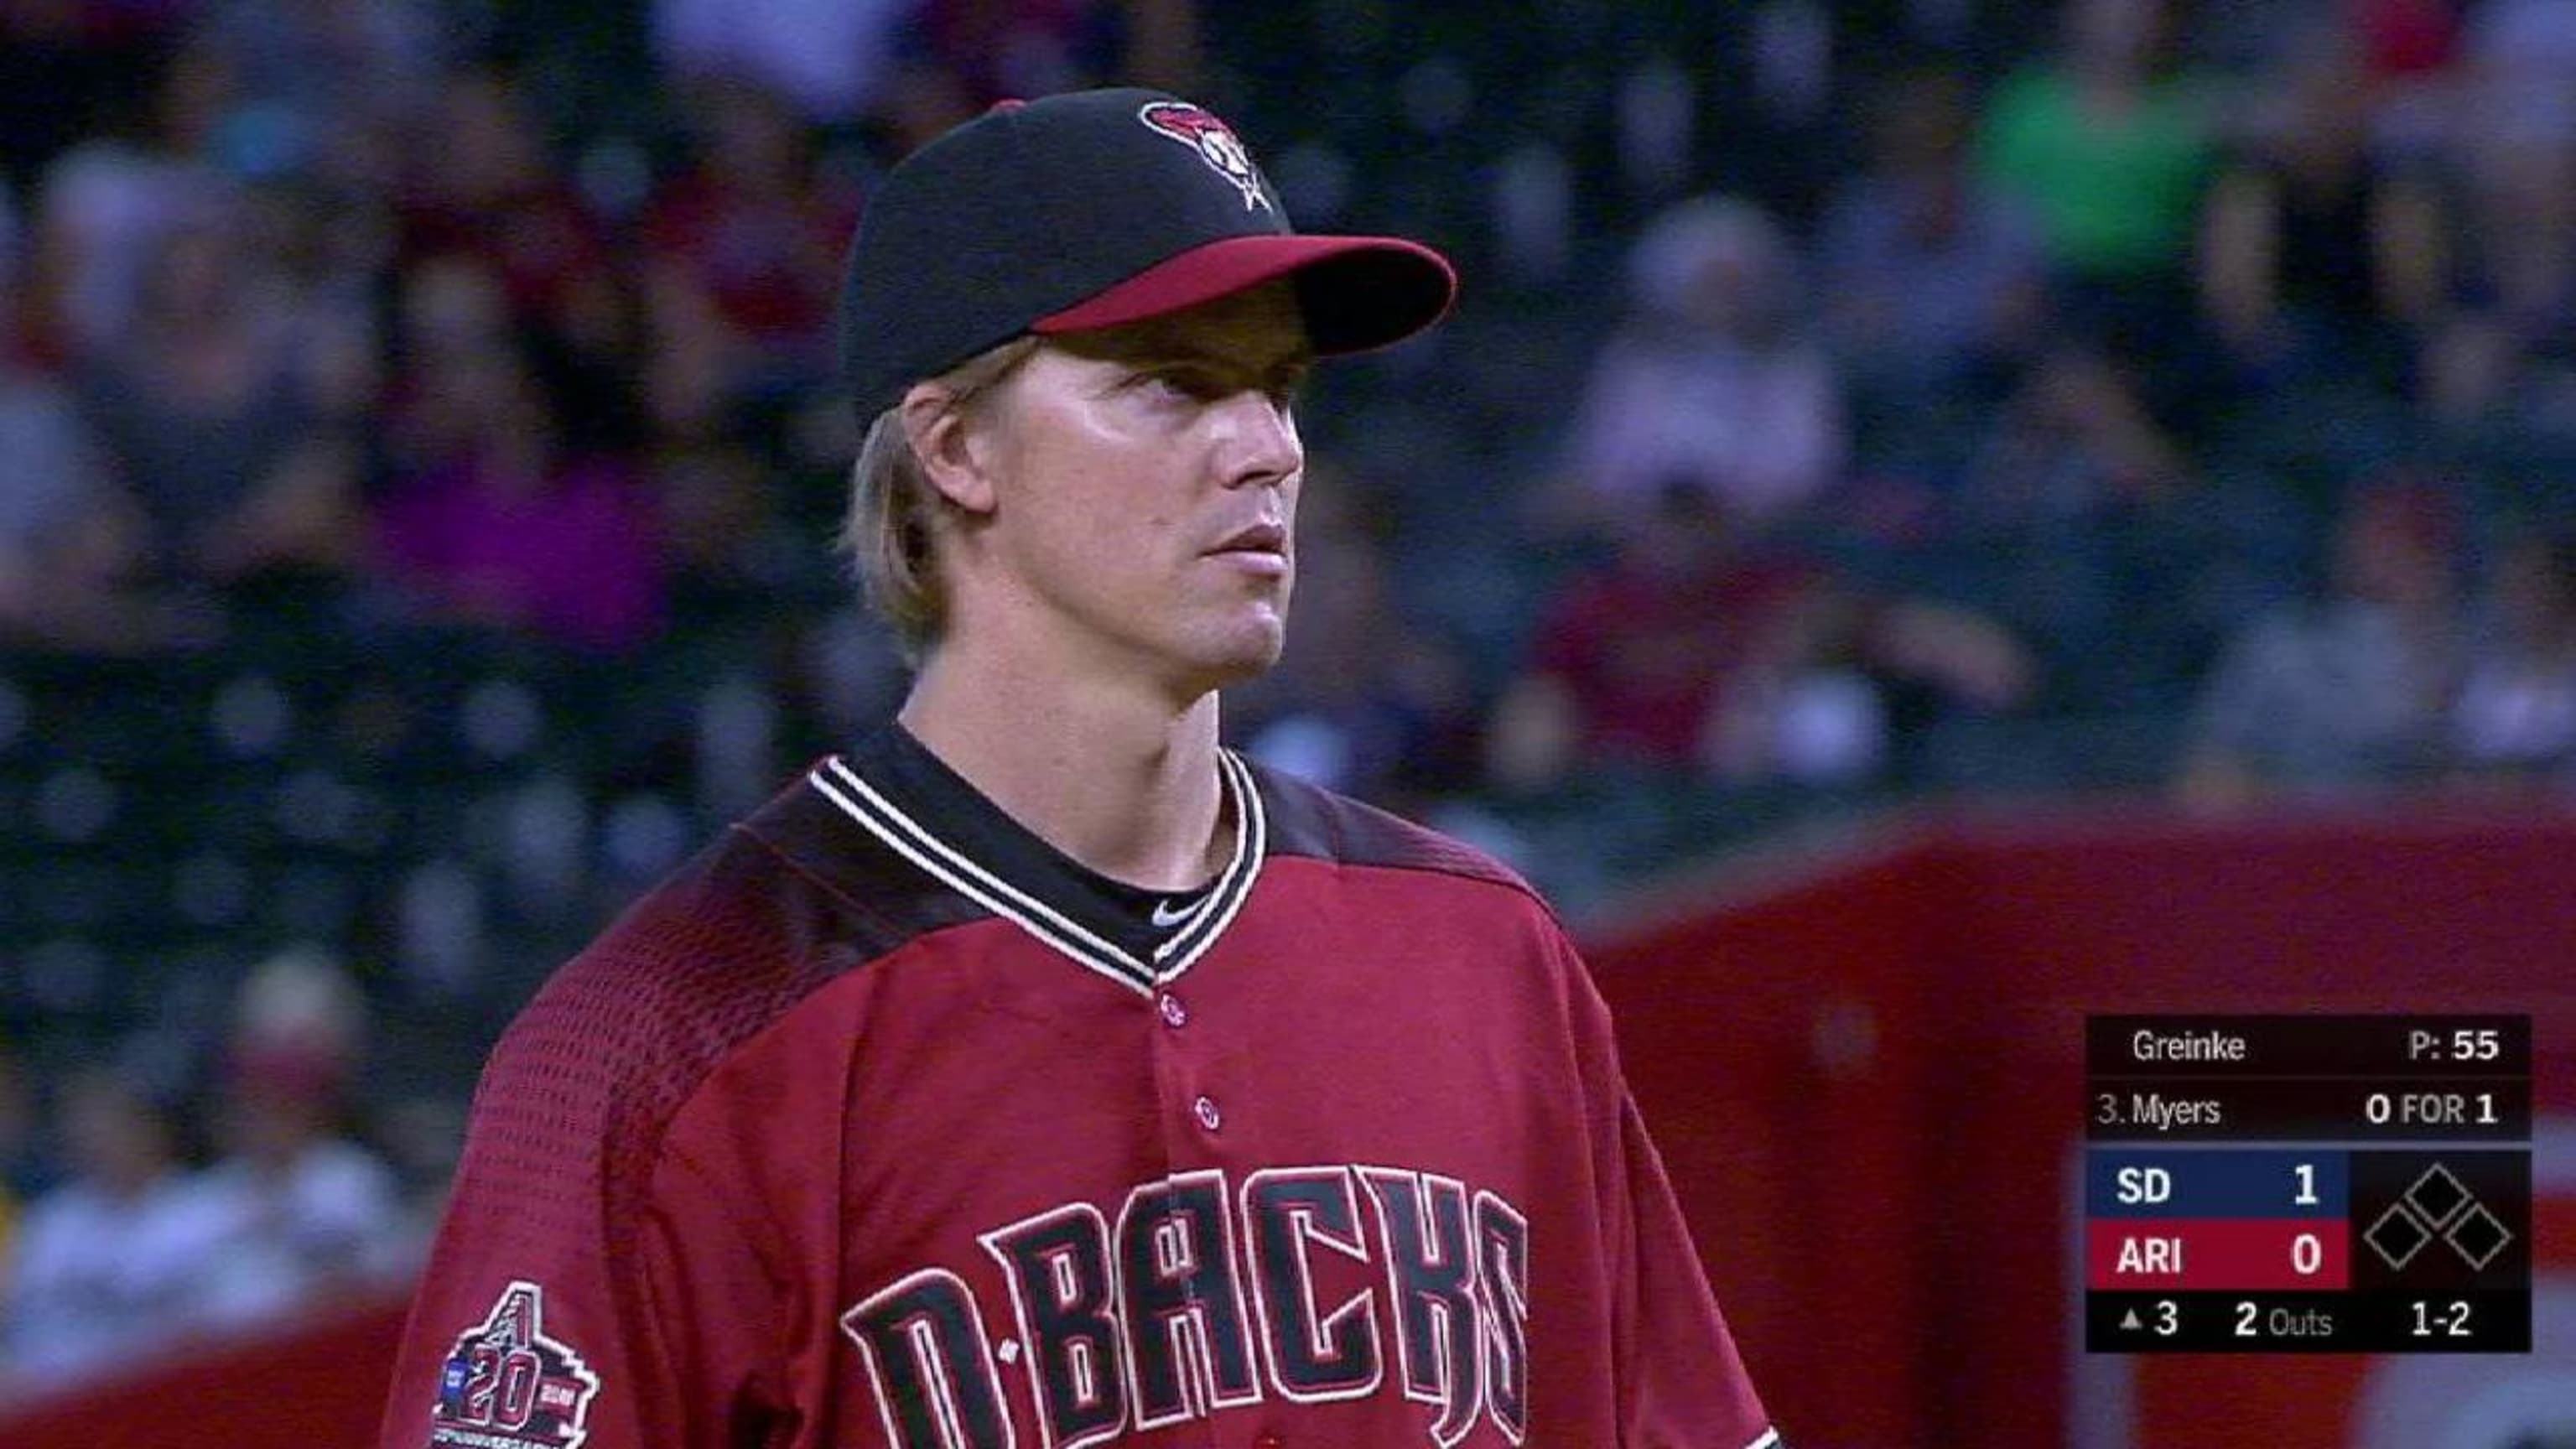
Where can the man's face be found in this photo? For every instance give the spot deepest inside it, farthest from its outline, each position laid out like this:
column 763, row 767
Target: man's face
column 1146, row 488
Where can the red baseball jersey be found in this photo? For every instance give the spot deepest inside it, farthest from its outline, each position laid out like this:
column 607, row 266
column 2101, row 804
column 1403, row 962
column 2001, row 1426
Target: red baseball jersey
column 883, row 1123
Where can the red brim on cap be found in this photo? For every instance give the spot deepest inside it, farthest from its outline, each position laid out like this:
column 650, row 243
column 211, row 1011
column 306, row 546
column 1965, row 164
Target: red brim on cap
column 1357, row 292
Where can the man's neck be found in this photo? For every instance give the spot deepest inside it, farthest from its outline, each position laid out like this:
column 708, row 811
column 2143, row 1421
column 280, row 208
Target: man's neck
column 1119, row 780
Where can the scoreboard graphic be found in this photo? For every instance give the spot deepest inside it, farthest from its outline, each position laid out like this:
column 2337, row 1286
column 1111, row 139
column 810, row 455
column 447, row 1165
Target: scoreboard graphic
column 2337, row 1184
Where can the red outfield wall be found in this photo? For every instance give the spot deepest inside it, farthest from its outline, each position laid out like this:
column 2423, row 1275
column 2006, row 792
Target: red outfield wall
column 1864, row 1064
column 1867, row 1075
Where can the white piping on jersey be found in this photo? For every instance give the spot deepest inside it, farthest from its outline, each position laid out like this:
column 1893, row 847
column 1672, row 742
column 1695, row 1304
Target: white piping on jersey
column 952, row 867
column 1770, row 1440
column 1234, row 886
column 1183, row 924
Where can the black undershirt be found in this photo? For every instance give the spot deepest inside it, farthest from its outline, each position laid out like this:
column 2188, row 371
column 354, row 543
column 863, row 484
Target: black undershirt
column 924, row 787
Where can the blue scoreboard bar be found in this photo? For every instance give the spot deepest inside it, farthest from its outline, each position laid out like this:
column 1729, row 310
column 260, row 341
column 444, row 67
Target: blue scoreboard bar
column 2216, row 1183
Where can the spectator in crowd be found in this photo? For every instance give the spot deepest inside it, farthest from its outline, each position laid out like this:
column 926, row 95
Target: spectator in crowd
column 71, row 539
column 725, row 543
column 1630, row 662
column 957, row 57
column 109, row 203
column 832, row 59
column 484, row 182
column 322, row 84
column 326, row 250
column 2479, row 375
column 299, row 1211
column 487, row 186
column 512, row 524
column 2086, row 529
column 71, row 543
column 2351, row 690
column 2401, row 41
column 2515, row 717
column 2409, row 55
column 1934, row 283
column 2314, row 251
column 2505, row 354
column 2077, row 436
column 1365, row 700
column 111, row 1265
column 2521, row 56
column 742, row 257
column 450, row 311
column 1699, row 651
column 1710, row 385
column 214, row 422
column 2111, row 152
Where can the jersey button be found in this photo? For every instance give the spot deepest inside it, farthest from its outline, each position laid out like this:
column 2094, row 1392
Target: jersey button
column 1175, row 1015
column 1269, row 1440
column 1209, row 1117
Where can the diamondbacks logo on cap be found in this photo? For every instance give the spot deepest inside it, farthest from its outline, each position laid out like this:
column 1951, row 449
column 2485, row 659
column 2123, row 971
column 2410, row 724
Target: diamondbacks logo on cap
column 1215, row 142
column 508, row 1386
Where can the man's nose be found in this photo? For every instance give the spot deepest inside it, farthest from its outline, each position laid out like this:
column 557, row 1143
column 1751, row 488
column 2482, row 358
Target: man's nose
column 1258, row 436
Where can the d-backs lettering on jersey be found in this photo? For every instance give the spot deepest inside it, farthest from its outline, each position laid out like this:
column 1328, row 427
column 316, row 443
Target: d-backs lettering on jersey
column 1195, row 1295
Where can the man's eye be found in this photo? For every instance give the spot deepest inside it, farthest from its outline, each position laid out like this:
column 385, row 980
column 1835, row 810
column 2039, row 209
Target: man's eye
column 1199, row 384
column 1195, row 384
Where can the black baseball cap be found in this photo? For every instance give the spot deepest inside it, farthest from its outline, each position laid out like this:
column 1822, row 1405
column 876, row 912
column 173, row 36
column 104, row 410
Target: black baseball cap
column 1092, row 209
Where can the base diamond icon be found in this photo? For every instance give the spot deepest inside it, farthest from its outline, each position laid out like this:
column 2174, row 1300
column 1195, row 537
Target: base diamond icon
column 2397, row 1237
column 2437, row 1195
column 2477, row 1237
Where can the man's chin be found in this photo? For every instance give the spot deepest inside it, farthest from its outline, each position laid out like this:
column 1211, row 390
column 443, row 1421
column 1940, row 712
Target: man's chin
column 1246, row 655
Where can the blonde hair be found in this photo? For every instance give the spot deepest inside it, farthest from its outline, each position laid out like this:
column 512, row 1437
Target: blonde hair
column 895, row 515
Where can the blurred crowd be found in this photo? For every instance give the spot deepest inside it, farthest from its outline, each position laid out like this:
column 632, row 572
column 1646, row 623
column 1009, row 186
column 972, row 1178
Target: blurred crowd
column 319, row 324
column 2128, row 394
column 160, row 1218
column 2184, row 403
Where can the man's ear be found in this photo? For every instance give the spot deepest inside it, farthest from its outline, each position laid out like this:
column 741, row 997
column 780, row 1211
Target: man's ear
column 953, row 455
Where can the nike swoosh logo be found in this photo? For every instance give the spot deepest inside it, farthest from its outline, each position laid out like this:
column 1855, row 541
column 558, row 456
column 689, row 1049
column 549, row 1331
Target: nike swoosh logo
column 1164, row 915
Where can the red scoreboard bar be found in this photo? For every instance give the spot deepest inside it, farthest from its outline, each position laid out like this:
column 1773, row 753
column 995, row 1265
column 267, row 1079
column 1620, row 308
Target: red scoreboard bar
column 2220, row 1254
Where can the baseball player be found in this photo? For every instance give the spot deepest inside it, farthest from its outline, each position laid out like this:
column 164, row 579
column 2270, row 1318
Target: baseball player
column 1039, row 1072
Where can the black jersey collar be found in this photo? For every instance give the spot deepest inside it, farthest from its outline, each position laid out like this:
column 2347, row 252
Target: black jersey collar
column 911, row 801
